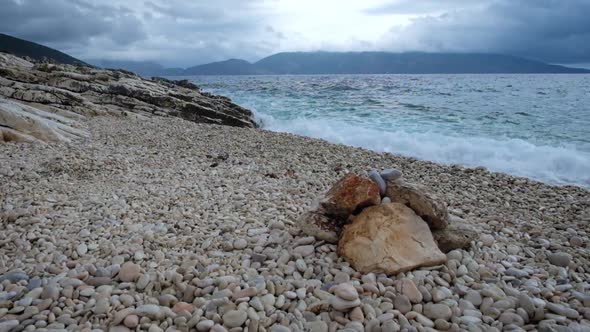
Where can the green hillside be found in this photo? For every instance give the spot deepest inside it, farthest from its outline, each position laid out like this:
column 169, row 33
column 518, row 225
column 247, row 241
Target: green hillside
column 22, row 48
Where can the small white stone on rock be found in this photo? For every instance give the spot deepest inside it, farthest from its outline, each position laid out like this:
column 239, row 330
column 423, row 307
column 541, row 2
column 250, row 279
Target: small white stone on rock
column 374, row 175
column 391, row 174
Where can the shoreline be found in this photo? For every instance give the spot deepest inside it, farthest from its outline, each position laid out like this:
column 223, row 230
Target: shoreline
column 551, row 157
column 452, row 165
column 262, row 126
column 412, row 166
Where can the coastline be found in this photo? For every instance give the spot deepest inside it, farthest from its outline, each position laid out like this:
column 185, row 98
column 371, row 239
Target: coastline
column 130, row 206
column 516, row 135
column 215, row 208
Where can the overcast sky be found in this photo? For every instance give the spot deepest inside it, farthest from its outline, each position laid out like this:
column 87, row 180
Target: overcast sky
column 189, row 32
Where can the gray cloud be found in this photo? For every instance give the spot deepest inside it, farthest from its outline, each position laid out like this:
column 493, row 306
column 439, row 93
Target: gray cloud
column 549, row 30
column 185, row 33
column 401, row 7
column 69, row 22
column 192, row 11
column 175, row 32
column 273, row 31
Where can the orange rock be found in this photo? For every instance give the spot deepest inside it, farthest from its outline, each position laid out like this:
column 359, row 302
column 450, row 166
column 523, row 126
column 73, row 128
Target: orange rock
column 388, row 238
column 349, row 194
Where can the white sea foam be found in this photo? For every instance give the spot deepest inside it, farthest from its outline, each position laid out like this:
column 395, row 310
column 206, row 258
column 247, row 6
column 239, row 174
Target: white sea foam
column 527, row 125
column 556, row 165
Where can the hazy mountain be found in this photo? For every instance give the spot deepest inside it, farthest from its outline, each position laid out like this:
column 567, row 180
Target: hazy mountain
column 228, row 67
column 403, row 63
column 378, row 63
column 363, row 63
column 24, row 48
column 392, row 63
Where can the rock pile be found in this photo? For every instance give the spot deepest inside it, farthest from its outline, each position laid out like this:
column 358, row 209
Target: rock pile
column 383, row 224
column 53, row 96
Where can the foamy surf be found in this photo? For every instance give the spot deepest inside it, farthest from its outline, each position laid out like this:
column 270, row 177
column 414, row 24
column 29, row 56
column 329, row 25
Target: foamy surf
column 501, row 122
column 555, row 165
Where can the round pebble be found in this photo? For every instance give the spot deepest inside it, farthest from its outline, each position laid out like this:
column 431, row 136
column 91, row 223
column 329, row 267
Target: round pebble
column 560, row 259
column 240, row 244
column 129, row 272
column 234, row 318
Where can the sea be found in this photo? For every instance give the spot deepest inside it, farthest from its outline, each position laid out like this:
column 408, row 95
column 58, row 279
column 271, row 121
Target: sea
column 535, row 126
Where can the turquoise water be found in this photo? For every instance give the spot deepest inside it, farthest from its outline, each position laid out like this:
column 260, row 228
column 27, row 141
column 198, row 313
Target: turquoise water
column 535, row 126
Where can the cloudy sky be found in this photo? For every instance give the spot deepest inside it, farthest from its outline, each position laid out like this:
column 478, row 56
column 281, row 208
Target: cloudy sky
column 189, row 32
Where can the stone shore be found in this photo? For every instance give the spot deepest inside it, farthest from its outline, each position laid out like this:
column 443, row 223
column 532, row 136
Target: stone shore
column 161, row 224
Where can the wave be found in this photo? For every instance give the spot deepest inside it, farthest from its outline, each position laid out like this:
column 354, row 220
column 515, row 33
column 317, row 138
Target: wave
column 340, row 88
column 555, row 165
column 415, row 106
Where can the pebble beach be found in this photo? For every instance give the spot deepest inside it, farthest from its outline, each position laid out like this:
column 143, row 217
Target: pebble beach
column 161, row 224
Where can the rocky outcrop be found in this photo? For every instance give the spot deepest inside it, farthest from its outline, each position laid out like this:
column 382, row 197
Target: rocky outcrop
column 90, row 91
column 8, row 60
column 425, row 203
column 23, row 123
column 349, row 194
column 388, row 238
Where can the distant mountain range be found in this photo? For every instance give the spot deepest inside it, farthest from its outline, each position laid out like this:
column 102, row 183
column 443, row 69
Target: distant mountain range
column 368, row 63
column 25, row 48
column 294, row 63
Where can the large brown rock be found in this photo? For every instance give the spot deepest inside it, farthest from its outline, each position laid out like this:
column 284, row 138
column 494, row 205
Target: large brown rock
column 457, row 235
column 388, row 238
column 350, row 194
column 425, row 203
